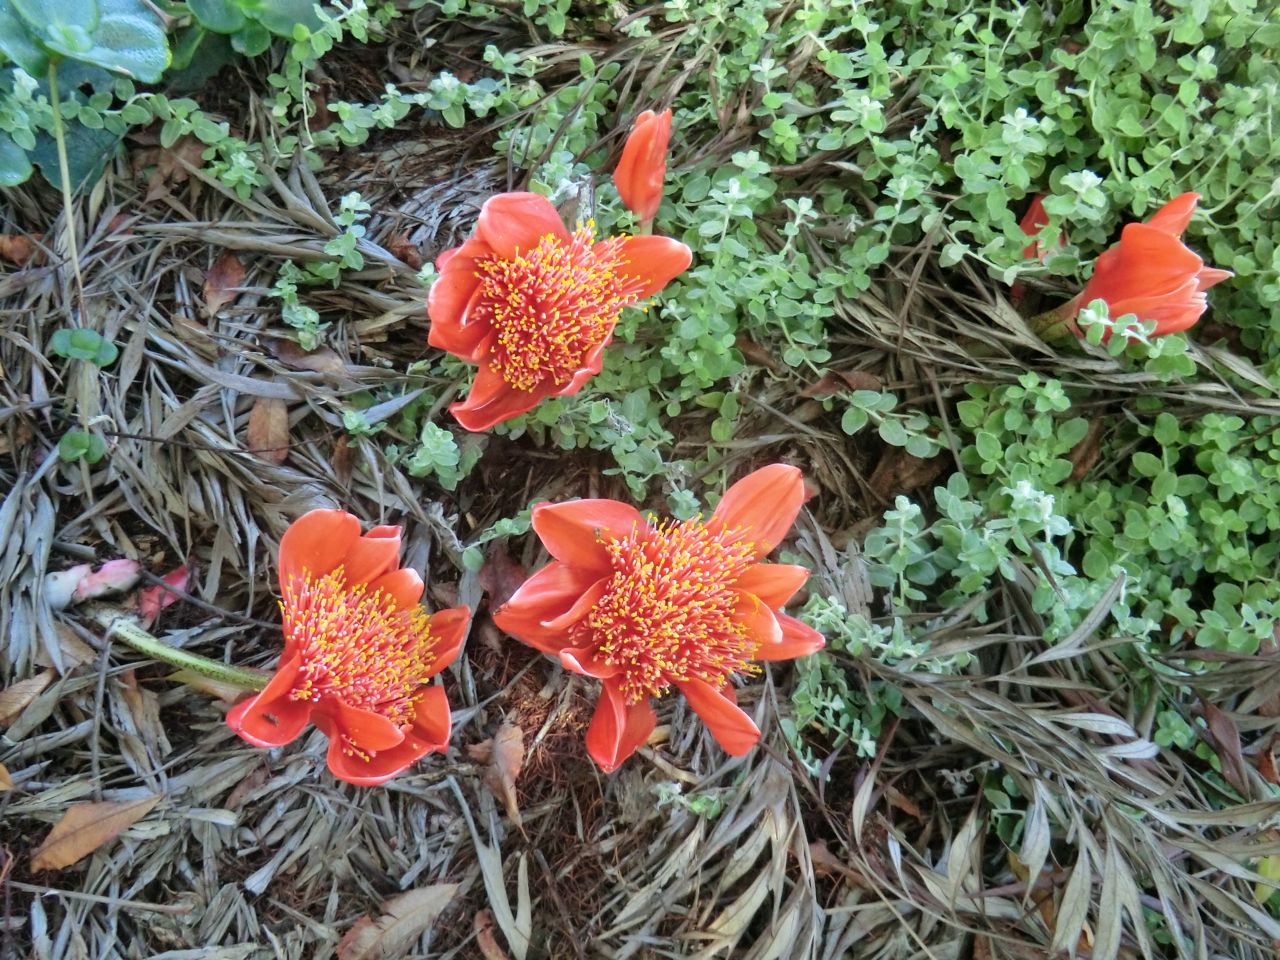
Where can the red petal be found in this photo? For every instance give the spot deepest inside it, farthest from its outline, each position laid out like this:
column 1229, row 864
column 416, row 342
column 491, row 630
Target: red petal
column 652, row 262
column 1211, row 277
column 583, row 661
column 372, row 556
column 592, row 362
column 643, row 164
column 763, row 505
column 581, row 607
column 428, row 734
column 271, row 718
column 759, row 621
column 617, row 728
column 733, row 729
column 514, row 222
column 404, row 586
column 465, row 337
column 543, row 597
column 572, row 531
column 365, row 729
column 449, row 627
column 798, row 640
column 1174, row 216
column 458, row 281
column 316, row 542
column 492, row 400
column 773, row 583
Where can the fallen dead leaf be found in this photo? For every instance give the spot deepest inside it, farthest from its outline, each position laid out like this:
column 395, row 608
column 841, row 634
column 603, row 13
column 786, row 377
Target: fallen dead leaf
column 503, row 757
column 485, row 939
column 401, row 247
column 343, row 460
column 16, row 698
column 268, row 434
column 753, row 352
column 74, row 650
column 21, row 248
column 6, row 780
column 899, row 472
column 1085, row 453
column 501, row 575
column 221, row 283
column 256, row 778
column 84, row 828
column 226, row 692
column 404, row 918
column 838, row 381
column 169, row 168
column 320, row 360
column 1266, row 763
column 1226, row 742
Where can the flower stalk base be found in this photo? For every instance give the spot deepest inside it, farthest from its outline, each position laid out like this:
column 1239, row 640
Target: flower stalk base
column 124, row 627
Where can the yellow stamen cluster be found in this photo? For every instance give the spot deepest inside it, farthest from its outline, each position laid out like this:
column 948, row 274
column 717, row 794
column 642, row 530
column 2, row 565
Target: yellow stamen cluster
column 551, row 306
column 356, row 646
column 667, row 614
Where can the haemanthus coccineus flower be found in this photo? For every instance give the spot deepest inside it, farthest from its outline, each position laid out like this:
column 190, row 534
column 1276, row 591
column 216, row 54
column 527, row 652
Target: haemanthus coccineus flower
column 643, row 165
column 1150, row 273
column 644, row 607
column 359, row 652
column 535, row 304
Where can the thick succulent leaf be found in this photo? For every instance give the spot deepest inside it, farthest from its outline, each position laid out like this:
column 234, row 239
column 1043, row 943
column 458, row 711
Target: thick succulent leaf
column 14, row 165
column 18, row 43
column 220, row 16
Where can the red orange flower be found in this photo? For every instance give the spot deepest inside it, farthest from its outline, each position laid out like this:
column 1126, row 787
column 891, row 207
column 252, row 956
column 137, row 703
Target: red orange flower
column 643, row 165
column 359, row 652
column 1031, row 223
column 535, row 305
column 646, row 607
column 1150, row 273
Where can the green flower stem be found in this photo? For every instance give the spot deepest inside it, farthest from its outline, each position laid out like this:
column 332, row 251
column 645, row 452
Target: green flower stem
column 125, row 627
column 64, row 174
column 1058, row 323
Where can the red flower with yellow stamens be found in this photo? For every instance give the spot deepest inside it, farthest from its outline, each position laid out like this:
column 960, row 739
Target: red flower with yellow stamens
column 359, row 652
column 535, row 305
column 646, row 607
column 1150, row 273
column 643, row 164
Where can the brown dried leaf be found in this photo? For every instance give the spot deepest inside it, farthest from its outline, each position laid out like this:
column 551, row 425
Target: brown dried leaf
column 900, row 472
column 74, row 650
column 21, row 248
column 6, row 780
column 1266, row 763
column 405, row 249
column 343, row 460
column 403, row 920
column 838, row 381
column 485, row 939
column 1085, row 453
column 753, row 352
column 268, row 434
column 501, row 575
column 84, row 828
column 15, row 699
column 1226, row 741
column 503, row 756
column 226, row 692
column 321, row 360
column 169, row 169
column 221, row 283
